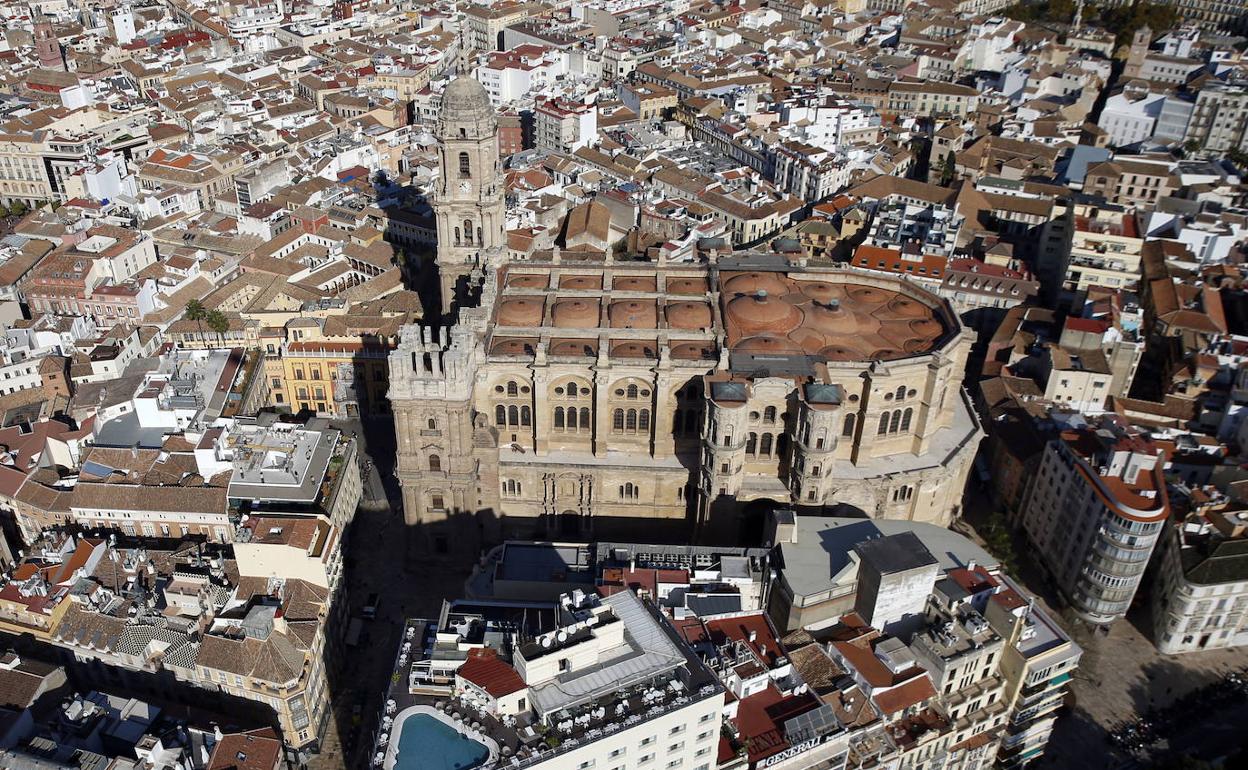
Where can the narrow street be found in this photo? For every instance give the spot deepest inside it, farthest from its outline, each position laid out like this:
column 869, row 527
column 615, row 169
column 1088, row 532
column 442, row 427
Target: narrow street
column 377, row 560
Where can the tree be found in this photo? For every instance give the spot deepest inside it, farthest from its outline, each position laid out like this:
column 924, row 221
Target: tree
column 948, row 168
column 17, row 209
column 195, row 312
column 219, row 324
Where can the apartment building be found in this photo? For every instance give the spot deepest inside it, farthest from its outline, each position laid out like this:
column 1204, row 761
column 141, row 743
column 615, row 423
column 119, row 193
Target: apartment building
column 1037, row 663
column 1131, row 182
column 485, row 23
column 1095, row 511
column 1219, row 122
column 1200, row 597
column 1105, row 247
column 562, row 125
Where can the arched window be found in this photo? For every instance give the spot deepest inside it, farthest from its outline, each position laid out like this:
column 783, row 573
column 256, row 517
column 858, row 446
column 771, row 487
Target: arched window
column 901, row 393
column 764, row 446
column 571, row 418
column 632, row 391
column 769, row 414
column 643, row 419
column 435, row 463
column 513, row 415
column 585, row 418
column 895, row 423
column 815, row 470
column 433, row 424
column 458, row 239
column 617, row 420
column 513, row 389
column 883, row 424
column 822, row 438
column 558, row 417
column 570, row 391
column 848, row 430
column 500, row 415
column 526, row 416
column 905, row 419
column 465, row 165
column 630, row 420
column 751, row 444
column 468, row 232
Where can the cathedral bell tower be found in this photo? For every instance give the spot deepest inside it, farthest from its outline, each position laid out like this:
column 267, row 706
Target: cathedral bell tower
column 468, row 203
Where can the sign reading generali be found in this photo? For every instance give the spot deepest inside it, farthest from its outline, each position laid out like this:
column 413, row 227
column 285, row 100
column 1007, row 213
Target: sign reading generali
column 793, row 751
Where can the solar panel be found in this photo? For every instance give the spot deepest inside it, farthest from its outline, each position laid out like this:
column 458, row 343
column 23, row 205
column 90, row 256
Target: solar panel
column 101, row 470
column 812, row 724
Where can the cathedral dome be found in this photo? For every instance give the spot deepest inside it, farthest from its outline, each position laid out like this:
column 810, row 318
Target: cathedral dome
column 466, row 106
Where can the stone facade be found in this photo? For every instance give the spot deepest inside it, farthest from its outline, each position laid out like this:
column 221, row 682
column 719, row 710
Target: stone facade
column 578, row 396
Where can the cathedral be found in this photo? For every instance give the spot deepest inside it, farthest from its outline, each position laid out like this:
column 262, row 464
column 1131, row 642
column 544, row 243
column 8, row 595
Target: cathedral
column 573, row 396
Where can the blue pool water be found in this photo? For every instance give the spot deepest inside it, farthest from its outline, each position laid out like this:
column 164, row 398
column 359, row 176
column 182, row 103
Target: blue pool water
column 427, row 743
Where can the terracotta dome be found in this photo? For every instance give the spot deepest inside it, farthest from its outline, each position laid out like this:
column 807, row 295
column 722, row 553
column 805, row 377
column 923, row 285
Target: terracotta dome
column 521, row 311
column 928, row 328
column 905, row 307
column 885, row 354
column 633, row 314
column 574, row 314
column 686, row 286
column 808, row 337
column 512, row 347
column 527, row 281
column 581, row 282
column 841, row 320
column 688, row 315
column 752, row 283
column 763, row 313
column 574, row 348
column 821, row 291
column 768, row 343
column 693, row 351
column 633, row 283
column 841, row 353
column 633, row 350
column 867, row 295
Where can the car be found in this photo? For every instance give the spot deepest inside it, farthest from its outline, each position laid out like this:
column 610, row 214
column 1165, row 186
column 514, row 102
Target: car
column 370, row 606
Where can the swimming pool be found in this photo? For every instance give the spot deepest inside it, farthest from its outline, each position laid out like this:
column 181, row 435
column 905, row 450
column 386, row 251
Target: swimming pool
column 428, row 740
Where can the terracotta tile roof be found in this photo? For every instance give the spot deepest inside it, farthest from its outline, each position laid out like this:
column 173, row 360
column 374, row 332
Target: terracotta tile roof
column 255, row 750
column 485, row 670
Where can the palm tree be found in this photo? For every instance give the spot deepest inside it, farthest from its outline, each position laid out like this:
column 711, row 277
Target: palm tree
column 219, row 324
column 195, row 312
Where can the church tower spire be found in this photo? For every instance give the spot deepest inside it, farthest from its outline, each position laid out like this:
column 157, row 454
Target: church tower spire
column 46, row 44
column 469, row 199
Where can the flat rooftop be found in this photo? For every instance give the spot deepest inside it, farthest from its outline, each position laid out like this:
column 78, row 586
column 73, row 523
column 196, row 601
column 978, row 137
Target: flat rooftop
column 279, row 462
column 825, row 547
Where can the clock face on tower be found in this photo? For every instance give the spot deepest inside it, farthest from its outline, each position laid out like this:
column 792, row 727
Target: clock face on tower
column 464, row 186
